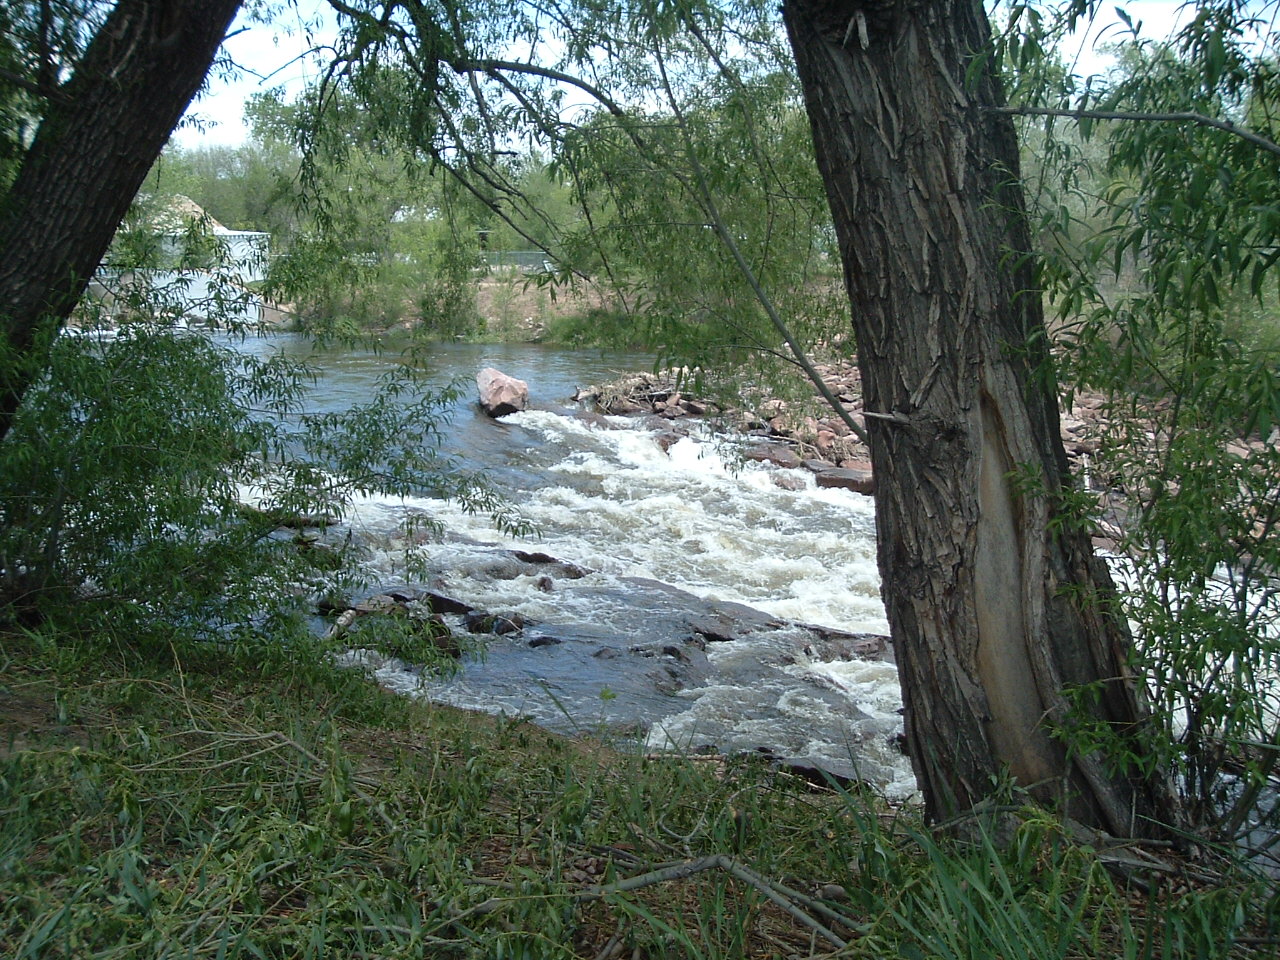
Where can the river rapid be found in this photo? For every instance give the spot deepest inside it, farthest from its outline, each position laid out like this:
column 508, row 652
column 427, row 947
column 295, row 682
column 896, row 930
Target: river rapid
column 664, row 595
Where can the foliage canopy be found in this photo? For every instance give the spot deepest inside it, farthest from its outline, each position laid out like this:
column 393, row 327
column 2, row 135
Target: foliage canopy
column 673, row 130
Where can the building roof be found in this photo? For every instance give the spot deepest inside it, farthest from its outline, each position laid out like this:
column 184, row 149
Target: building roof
column 175, row 214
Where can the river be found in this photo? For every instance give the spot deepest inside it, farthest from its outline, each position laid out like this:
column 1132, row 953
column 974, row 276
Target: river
column 673, row 616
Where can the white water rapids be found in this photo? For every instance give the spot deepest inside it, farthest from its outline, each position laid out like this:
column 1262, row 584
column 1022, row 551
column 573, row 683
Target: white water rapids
column 661, row 553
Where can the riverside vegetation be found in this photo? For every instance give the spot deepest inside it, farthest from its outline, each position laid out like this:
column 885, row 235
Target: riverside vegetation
column 161, row 798
column 183, row 774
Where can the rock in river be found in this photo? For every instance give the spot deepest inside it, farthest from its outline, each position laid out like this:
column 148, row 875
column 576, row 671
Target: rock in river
column 857, row 480
column 501, row 394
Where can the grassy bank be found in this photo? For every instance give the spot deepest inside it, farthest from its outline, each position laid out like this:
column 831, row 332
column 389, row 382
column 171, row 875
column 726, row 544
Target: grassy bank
column 174, row 801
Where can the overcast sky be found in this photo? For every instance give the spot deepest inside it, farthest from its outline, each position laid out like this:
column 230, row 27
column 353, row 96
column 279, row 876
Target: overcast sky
column 274, row 55
column 268, row 56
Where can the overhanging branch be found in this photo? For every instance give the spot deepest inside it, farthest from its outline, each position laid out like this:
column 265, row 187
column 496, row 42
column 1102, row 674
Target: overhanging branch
column 1182, row 117
column 42, row 91
column 489, row 66
column 721, row 230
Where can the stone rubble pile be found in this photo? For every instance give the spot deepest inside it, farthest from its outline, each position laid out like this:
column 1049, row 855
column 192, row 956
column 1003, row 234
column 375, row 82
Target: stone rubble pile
column 790, row 436
column 786, row 434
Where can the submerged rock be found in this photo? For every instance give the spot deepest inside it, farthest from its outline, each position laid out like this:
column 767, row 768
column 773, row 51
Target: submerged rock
column 477, row 622
column 560, row 568
column 440, row 604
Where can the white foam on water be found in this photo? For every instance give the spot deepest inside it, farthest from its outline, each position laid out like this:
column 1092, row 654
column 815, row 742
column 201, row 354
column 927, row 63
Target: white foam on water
column 872, row 686
column 684, row 517
column 693, row 517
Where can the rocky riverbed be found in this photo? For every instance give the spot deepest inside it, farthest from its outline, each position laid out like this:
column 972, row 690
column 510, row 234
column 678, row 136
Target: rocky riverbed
column 651, row 529
column 794, row 435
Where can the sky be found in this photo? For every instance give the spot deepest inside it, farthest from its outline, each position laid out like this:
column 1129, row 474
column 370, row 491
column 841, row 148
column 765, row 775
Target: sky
column 268, row 56
column 275, row 55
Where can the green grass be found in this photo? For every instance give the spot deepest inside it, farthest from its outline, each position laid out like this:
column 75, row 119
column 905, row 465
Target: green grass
column 188, row 801
column 603, row 327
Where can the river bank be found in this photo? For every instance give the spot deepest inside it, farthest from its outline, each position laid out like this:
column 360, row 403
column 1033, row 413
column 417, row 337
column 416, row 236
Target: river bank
column 165, row 797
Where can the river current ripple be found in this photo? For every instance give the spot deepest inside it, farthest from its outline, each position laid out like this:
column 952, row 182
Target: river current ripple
column 666, row 541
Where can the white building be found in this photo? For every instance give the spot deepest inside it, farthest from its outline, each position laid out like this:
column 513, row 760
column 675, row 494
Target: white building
column 202, row 270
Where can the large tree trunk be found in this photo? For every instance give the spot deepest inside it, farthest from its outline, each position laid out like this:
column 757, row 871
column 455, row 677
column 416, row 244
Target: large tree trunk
column 102, row 131
column 995, row 601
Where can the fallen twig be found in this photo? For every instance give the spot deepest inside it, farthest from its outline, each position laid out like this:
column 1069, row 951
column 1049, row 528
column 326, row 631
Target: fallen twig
column 780, row 895
column 784, row 897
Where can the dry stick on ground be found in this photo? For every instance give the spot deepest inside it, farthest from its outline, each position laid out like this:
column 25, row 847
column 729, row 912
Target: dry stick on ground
column 774, row 891
column 783, row 896
column 614, row 947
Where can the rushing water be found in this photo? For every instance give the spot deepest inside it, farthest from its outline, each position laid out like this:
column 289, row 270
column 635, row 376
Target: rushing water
column 672, row 615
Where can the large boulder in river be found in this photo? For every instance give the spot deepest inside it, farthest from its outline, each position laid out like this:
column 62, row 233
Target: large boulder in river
column 501, row 394
column 859, row 480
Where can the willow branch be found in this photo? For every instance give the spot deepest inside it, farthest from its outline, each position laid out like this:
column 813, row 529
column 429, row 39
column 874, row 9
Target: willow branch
column 1183, row 117
column 471, row 164
column 726, row 237
column 547, row 73
column 594, row 232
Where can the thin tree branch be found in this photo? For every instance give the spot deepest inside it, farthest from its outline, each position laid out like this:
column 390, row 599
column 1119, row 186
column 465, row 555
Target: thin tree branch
column 472, row 165
column 35, row 89
column 594, row 232
column 1184, row 117
column 511, row 66
column 783, row 896
column 726, row 237
column 45, row 78
column 467, row 67
column 680, row 871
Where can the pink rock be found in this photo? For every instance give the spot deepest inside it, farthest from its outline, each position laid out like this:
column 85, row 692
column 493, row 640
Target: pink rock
column 856, row 464
column 501, row 394
column 774, row 453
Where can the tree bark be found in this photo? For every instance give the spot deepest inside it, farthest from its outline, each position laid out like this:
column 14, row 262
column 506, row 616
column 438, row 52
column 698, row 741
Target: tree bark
column 994, row 598
column 102, row 130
